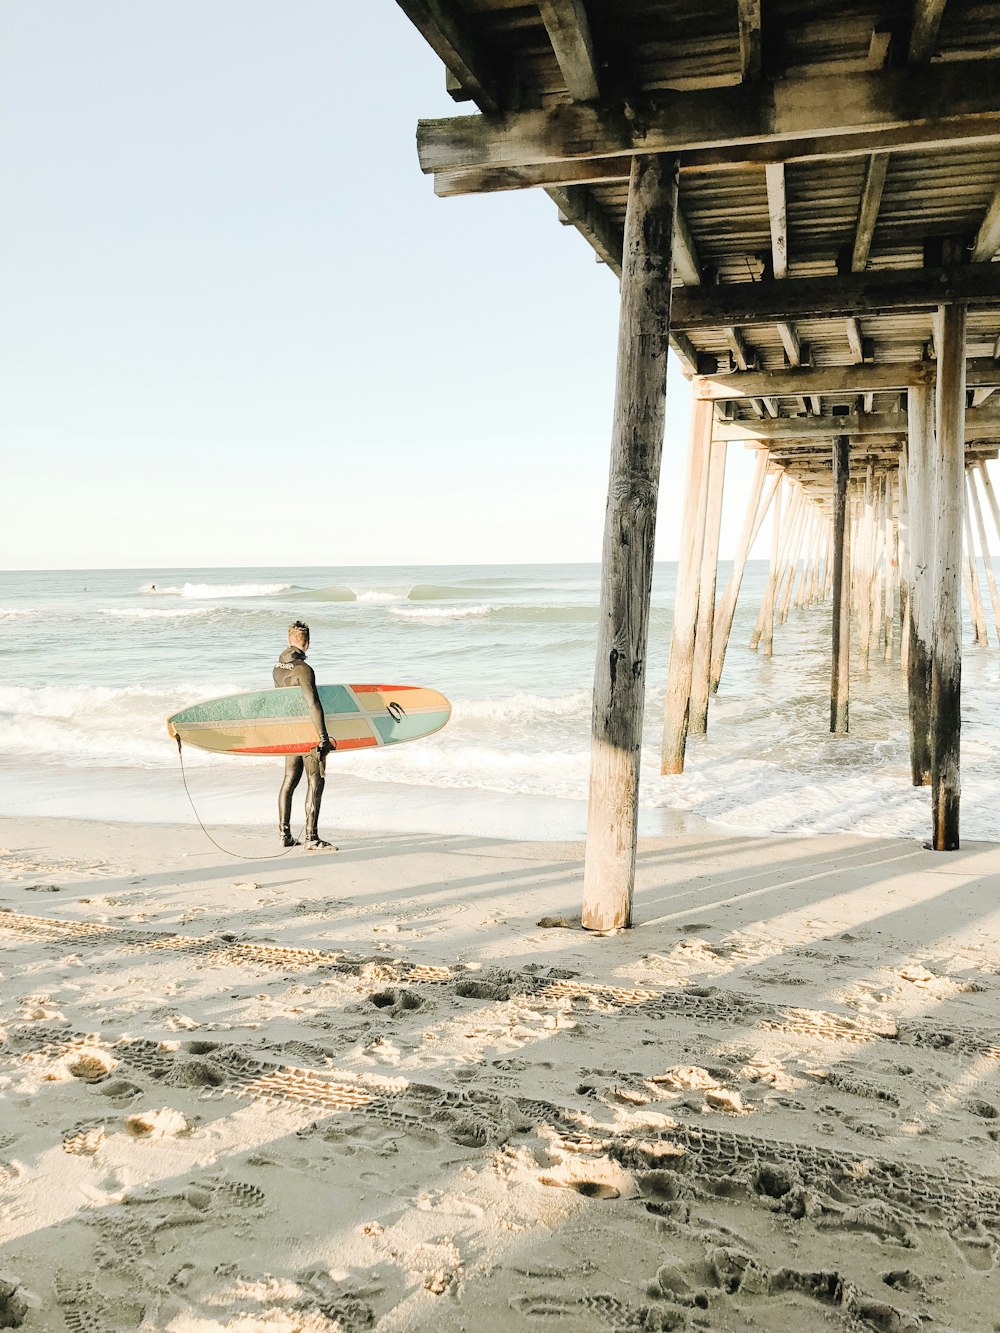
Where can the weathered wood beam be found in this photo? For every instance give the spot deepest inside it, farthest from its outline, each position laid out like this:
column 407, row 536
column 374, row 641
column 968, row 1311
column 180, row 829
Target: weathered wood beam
column 756, row 512
column 778, row 112
column 850, row 295
column 742, row 354
column 701, row 672
column 824, row 380
column 913, row 137
column 687, row 265
column 855, row 342
column 569, row 32
column 924, row 30
column 791, row 343
column 982, row 375
column 444, row 30
column 981, row 423
column 751, row 40
column 578, row 208
column 629, row 530
column 946, row 665
column 987, row 241
column 774, row 175
column 871, row 199
column 677, row 700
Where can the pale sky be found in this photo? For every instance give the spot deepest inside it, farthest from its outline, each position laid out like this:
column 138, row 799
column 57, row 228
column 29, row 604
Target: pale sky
column 238, row 328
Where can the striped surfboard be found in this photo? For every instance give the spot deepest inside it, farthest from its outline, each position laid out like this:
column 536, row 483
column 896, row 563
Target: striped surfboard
column 358, row 717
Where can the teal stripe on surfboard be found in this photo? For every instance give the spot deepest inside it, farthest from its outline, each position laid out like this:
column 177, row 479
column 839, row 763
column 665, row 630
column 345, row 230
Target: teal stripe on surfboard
column 266, row 704
column 410, row 727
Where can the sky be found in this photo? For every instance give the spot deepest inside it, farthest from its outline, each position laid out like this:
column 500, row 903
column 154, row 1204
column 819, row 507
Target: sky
column 238, row 328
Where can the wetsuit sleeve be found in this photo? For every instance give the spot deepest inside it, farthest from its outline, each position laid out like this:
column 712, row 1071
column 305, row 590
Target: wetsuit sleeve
column 306, row 680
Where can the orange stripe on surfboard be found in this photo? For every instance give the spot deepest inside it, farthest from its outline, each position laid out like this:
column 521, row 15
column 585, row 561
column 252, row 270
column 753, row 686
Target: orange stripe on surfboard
column 375, row 689
column 349, row 743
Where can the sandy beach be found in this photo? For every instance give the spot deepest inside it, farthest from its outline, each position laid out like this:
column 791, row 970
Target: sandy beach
column 391, row 1087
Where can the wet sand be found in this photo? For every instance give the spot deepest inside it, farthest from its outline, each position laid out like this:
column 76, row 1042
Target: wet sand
column 394, row 1087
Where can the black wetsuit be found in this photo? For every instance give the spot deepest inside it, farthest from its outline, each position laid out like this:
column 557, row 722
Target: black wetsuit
column 293, row 669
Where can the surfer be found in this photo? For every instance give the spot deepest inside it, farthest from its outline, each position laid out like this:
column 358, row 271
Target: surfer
column 293, row 669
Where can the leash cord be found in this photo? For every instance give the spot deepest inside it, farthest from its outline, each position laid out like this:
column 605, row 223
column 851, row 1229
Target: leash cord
column 275, row 856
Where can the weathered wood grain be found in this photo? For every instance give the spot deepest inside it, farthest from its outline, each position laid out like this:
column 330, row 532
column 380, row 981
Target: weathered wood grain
column 840, row 674
column 676, row 705
column 701, row 671
column 629, row 530
column 946, row 666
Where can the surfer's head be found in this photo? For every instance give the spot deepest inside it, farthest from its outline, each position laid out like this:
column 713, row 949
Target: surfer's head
column 298, row 635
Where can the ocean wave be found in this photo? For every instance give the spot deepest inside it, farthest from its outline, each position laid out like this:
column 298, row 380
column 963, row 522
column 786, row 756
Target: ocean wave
column 523, row 708
column 205, row 591
column 379, row 597
column 18, row 613
column 432, row 592
column 95, row 724
column 441, row 612
column 334, row 593
column 158, row 612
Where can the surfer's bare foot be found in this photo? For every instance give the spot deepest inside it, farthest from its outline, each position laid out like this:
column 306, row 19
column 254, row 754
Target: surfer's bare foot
column 318, row 845
column 289, row 840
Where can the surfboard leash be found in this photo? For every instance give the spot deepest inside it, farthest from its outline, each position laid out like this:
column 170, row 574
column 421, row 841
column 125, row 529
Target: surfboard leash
column 240, row 856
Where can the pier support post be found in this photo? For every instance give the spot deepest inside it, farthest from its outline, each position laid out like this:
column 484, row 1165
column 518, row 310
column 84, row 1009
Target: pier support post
column 946, row 669
column 756, row 512
column 676, row 706
column 840, row 674
column 629, row 530
column 976, row 610
column 984, row 545
column 903, row 565
column 920, row 569
column 702, row 666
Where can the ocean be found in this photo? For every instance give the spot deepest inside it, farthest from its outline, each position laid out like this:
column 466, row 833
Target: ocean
column 92, row 662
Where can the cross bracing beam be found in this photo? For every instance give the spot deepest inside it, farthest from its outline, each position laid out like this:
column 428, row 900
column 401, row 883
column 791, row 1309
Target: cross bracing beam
column 884, row 107
column 981, row 423
column 850, row 295
column 871, row 199
column 927, row 16
column 569, row 32
column 448, row 35
column 987, row 241
column 751, row 38
column 982, row 374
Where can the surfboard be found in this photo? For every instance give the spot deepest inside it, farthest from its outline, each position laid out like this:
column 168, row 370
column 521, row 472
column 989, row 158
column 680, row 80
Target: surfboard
column 358, row 717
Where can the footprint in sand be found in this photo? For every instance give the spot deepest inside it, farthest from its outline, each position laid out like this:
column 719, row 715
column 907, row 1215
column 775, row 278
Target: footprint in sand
column 396, row 1000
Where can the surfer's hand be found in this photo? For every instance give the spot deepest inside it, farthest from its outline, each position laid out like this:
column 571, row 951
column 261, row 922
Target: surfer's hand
column 324, row 747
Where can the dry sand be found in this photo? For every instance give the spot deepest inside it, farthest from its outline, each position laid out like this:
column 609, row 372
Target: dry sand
column 367, row 1090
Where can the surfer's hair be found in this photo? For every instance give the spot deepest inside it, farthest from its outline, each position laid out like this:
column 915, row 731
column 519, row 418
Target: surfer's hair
column 298, row 630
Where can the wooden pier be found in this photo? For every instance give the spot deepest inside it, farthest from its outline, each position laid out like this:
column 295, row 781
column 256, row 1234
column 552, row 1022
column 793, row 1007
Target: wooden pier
column 803, row 202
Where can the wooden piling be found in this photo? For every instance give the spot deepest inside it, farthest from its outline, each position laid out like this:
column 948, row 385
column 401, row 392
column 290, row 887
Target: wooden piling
column 682, row 639
column 903, row 565
column 779, row 558
column 756, row 511
column 891, row 561
column 778, row 524
column 920, row 487
column 840, row 674
column 702, row 666
column 629, row 530
column 946, row 667
column 984, row 545
column 976, row 611
column 865, row 560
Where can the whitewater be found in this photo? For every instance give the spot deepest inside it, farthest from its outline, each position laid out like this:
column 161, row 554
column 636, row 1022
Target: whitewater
column 92, row 662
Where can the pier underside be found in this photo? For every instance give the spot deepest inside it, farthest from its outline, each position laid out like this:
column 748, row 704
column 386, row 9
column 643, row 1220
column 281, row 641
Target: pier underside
column 804, row 201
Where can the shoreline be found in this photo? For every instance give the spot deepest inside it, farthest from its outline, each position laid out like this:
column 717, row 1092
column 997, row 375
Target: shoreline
column 367, row 1089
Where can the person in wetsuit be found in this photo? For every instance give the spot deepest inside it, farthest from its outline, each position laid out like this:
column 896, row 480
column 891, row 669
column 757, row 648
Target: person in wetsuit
column 293, row 669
